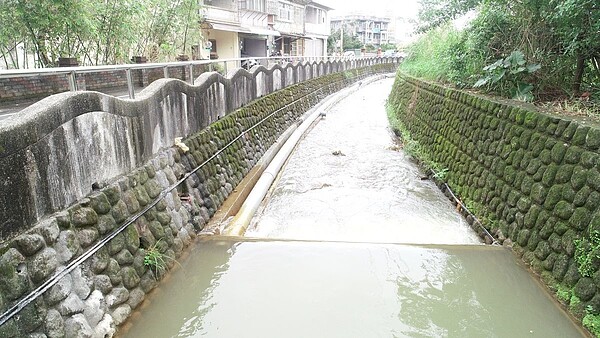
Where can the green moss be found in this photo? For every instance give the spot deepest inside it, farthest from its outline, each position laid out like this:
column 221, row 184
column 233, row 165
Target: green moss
column 581, row 196
column 569, row 131
column 531, row 217
column 589, row 159
column 573, row 155
column 533, row 166
column 580, row 135
column 563, row 174
column 560, row 228
column 580, row 219
column 593, row 201
column 579, row 177
column 549, row 175
column 553, row 197
column 568, row 193
column 592, row 140
column 593, row 179
column 562, row 126
column 558, row 152
column 546, row 156
column 564, row 210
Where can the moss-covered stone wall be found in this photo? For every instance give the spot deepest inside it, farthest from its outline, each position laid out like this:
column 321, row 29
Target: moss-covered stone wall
column 532, row 177
column 99, row 294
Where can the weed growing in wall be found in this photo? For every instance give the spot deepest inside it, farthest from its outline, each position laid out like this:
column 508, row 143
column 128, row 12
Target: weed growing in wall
column 592, row 322
column 587, row 254
column 564, row 294
column 155, row 260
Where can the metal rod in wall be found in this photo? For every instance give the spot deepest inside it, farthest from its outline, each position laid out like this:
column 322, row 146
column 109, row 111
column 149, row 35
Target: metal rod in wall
column 130, row 88
column 72, row 81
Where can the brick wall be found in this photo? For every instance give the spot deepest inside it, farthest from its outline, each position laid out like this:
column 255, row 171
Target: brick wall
column 37, row 87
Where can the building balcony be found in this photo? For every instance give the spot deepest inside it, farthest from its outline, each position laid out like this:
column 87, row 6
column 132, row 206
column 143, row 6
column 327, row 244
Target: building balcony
column 220, row 15
column 316, row 29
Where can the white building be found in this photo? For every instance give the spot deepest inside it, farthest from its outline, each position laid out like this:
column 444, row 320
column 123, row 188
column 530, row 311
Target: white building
column 370, row 30
column 242, row 28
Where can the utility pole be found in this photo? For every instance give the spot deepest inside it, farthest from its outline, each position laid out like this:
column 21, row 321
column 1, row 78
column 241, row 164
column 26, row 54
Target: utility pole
column 342, row 38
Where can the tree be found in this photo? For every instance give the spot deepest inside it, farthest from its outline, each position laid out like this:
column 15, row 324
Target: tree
column 559, row 35
column 115, row 31
column 167, row 26
column 96, row 31
column 578, row 24
column 434, row 13
column 350, row 41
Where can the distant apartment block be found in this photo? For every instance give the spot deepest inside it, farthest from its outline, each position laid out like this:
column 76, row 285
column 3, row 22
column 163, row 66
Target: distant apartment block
column 247, row 28
column 370, row 30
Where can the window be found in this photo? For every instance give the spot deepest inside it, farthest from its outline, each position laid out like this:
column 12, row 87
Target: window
column 285, row 12
column 253, row 5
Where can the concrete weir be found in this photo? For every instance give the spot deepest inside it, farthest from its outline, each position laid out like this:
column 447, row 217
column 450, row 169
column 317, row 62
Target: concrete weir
column 91, row 184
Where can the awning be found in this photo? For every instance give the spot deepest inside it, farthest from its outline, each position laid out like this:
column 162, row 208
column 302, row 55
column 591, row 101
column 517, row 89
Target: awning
column 292, row 35
column 229, row 28
column 263, row 31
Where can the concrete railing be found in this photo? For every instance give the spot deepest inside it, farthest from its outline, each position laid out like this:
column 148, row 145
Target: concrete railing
column 56, row 151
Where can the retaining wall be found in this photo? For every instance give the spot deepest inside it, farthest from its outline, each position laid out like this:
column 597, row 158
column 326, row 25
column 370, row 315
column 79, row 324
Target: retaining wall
column 533, row 178
column 143, row 205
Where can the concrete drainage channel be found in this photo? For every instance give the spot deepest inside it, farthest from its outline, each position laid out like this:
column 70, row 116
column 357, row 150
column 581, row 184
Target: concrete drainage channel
column 272, row 153
column 272, row 162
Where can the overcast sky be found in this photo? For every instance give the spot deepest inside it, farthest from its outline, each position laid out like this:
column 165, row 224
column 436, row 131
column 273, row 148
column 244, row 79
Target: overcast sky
column 404, row 8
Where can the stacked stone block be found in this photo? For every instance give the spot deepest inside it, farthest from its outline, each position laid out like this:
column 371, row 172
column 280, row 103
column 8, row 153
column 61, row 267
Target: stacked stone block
column 534, row 177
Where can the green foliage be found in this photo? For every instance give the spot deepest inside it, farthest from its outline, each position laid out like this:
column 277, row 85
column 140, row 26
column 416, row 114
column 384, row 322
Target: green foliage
column 435, row 13
column 433, row 56
column 559, row 35
column 508, row 75
column 350, row 41
column 155, row 260
column 587, row 254
column 574, row 302
column 388, row 46
column 564, row 294
column 96, row 32
column 592, row 323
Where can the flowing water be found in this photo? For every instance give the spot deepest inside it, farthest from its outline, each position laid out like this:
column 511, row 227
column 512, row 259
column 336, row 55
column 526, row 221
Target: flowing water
column 323, row 289
column 333, row 260
column 347, row 181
